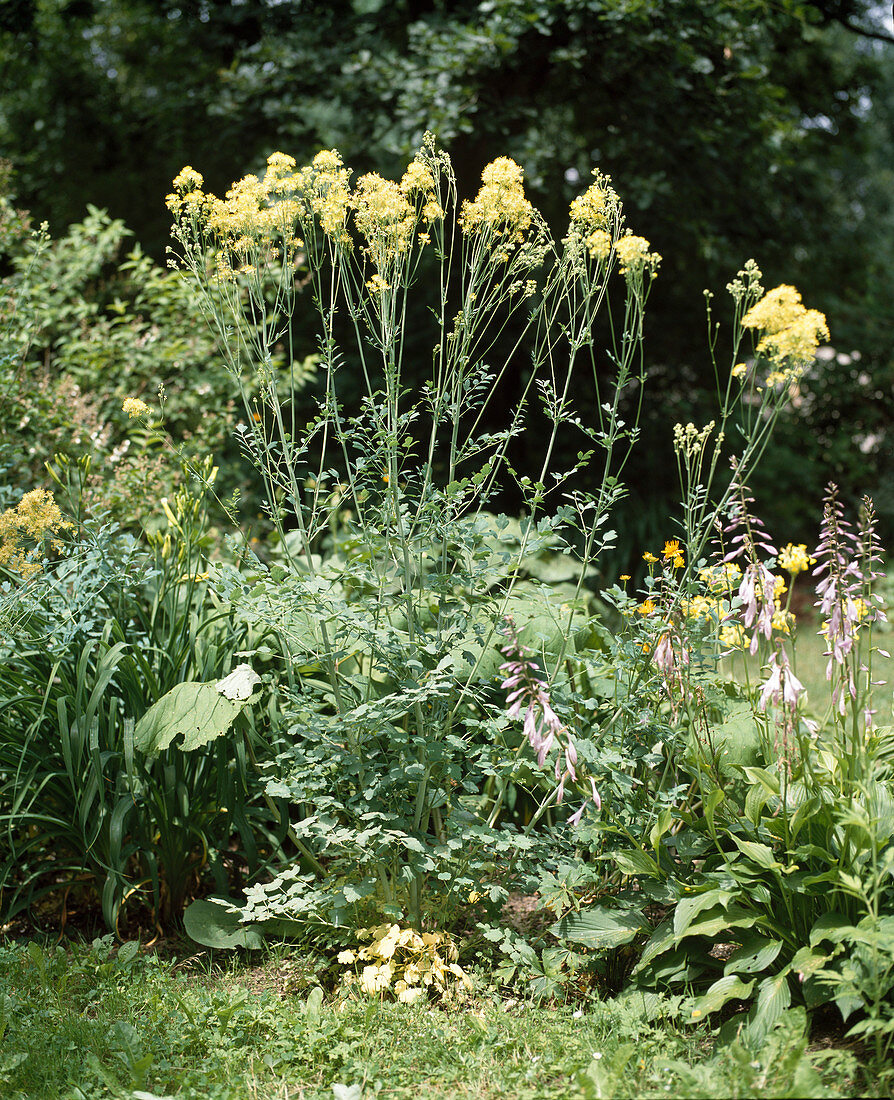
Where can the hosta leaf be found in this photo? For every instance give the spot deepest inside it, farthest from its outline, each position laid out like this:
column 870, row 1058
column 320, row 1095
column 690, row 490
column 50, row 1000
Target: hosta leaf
column 760, row 854
column 830, row 928
column 212, row 924
column 754, row 956
column 599, row 927
column 725, row 989
column 634, row 862
column 690, row 907
column 773, row 998
column 718, row 921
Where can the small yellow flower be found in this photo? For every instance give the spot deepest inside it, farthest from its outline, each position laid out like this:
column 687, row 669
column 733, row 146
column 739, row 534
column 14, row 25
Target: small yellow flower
column 624, row 577
column 650, row 558
column 671, row 549
column 646, row 608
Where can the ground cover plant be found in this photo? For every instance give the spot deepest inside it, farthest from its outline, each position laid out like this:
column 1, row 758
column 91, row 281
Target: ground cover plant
column 407, row 706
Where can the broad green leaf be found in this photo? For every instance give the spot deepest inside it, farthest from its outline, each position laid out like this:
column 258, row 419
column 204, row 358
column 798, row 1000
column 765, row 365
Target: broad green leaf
column 725, row 989
column 634, row 862
column 599, row 927
column 760, row 854
column 710, row 924
column 661, row 826
column 713, row 800
column 195, row 711
column 754, row 956
column 661, row 940
column 830, row 928
column 807, row 962
column 773, row 998
column 766, row 779
column 689, row 908
column 212, row 924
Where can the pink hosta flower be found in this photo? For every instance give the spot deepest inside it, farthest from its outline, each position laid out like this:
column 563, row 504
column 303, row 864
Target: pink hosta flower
column 575, row 818
column 782, row 686
column 848, row 565
column 666, row 657
column 757, row 593
column 528, row 698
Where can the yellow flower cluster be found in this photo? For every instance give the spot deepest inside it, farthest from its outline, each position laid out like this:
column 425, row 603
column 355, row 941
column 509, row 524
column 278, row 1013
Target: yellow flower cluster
column 500, row 204
column 795, row 559
column 596, row 207
column 791, row 332
column 690, row 440
column 673, row 554
column 599, row 244
column 410, row 963
column 704, row 609
column 733, row 636
column 384, row 218
column 34, row 519
column 782, row 621
column 324, row 186
column 634, row 257
column 187, row 199
column 419, row 180
column 133, row 406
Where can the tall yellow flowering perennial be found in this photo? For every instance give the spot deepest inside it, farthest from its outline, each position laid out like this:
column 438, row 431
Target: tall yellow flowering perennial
column 24, row 528
column 791, row 333
column 500, row 204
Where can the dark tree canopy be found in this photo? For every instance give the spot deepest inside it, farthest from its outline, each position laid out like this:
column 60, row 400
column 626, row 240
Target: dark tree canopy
column 731, row 128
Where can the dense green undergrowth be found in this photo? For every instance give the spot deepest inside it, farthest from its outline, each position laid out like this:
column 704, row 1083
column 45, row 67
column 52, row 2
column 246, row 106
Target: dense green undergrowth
column 90, row 1022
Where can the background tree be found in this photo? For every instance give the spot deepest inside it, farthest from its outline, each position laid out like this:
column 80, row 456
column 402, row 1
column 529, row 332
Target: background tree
column 732, row 128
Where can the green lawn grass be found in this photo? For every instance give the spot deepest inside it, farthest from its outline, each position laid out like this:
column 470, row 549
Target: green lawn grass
column 82, row 1023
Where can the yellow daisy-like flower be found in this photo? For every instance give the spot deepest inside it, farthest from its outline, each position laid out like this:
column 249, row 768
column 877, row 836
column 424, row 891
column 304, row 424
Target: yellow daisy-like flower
column 650, row 558
column 646, row 608
column 671, row 549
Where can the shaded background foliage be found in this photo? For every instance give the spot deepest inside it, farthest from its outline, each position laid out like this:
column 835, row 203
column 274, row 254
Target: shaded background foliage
column 732, row 128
